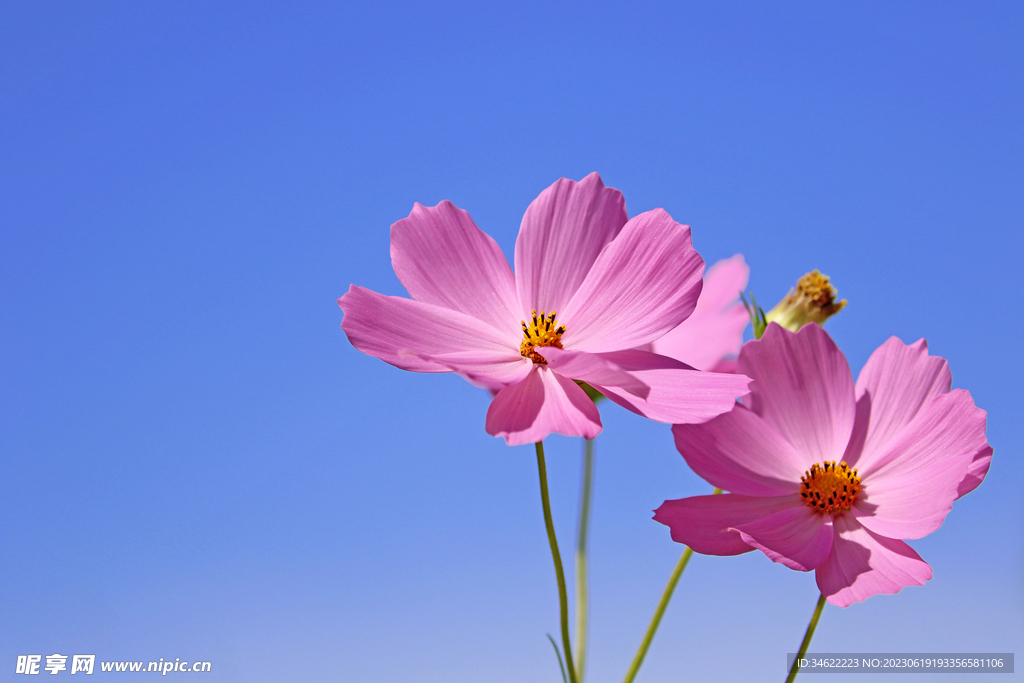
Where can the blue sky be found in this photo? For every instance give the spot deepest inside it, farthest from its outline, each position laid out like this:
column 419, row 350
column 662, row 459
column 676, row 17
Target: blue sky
column 197, row 464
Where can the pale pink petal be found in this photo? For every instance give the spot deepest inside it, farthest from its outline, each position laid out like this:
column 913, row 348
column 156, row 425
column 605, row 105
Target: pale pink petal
column 442, row 258
column 797, row 537
column 642, row 285
column 676, row 392
column 896, row 382
column 563, row 231
column 728, row 365
column 911, row 484
column 863, row 564
column 542, row 404
column 594, row 369
column 741, row 453
column 723, row 284
column 404, row 332
column 976, row 471
column 715, row 328
column 705, row 341
column 481, row 369
column 703, row 522
column 803, row 387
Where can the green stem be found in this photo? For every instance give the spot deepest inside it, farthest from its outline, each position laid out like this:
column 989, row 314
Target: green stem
column 795, row 669
column 582, row 598
column 665, row 597
column 563, row 600
column 677, row 573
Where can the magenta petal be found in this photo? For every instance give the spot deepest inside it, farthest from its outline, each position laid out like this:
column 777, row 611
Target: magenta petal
column 895, row 383
column 563, row 231
column 442, row 258
column 542, row 404
column 677, row 393
column 976, row 471
column 797, row 537
column 863, row 564
column 641, row 286
column 728, row 365
column 403, row 332
column 703, row 522
column 482, row 370
column 715, row 328
column 803, row 387
column 593, row 369
column 741, row 453
column 911, row 484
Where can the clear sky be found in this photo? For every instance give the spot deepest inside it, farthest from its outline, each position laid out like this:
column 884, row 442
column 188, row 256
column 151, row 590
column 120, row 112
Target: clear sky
column 197, row 465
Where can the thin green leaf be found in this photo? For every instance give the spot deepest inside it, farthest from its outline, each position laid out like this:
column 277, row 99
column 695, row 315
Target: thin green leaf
column 561, row 664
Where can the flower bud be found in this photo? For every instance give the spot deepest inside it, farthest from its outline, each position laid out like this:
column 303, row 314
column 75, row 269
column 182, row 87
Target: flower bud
column 812, row 301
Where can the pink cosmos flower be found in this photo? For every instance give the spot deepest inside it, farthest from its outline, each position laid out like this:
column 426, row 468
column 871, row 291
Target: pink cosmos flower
column 589, row 287
column 711, row 337
column 828, row 475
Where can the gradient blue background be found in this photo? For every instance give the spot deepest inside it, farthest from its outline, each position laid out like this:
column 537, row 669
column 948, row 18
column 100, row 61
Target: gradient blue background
column 196, row 463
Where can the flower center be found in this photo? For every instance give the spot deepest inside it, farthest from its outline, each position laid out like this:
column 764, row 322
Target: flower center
column 817, row 288
column 813, row 300
column 542, row 331
column 829, row 487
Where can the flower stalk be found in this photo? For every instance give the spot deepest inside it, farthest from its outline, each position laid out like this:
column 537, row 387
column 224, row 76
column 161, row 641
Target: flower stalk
column 563, row 599
column 582, row 585
column 645, row 644
column 795, row 669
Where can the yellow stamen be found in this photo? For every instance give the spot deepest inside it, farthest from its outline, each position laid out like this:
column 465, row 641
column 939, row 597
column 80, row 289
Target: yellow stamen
column 817, row 288
column 542, row 331
column 829, row 487
column 813, row 300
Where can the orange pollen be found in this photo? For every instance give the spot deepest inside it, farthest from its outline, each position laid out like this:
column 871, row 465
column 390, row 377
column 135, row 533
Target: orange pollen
column 817, row 288
column 829, row 488
column 542, row 331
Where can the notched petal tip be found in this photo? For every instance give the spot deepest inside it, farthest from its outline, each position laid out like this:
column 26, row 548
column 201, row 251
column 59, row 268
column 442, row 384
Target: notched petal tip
column 542, row 404
column 863, row 564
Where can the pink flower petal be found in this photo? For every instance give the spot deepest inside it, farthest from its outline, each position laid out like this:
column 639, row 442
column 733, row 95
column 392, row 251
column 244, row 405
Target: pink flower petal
column 442, row 258
column 563, row 231
column 910, row 486
column 803, row 387
column 797, row 537
column 677, row 393
column 593, row 369
column 641, row 286
column 542, row 404
column 976, row 471
column 741, row 453
column 723, row 284
column 894, row 384
column 482, row 369
column 703, row 522
column 728, row 365
column 863, row 564
column 402, row 332
column 715, row 328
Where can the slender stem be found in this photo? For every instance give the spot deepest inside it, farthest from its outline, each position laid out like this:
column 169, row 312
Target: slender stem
column 662, row 605
column 582, row 597
column 563, row 600
column 660, row 611
column 795, row 669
